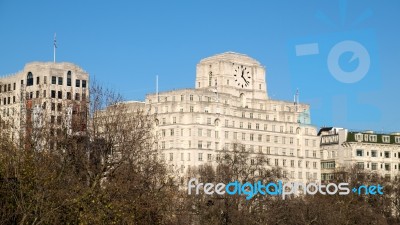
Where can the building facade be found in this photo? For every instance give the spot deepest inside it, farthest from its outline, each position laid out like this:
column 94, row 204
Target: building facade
column 44, row 94
column 373, row 152
column 230, row 107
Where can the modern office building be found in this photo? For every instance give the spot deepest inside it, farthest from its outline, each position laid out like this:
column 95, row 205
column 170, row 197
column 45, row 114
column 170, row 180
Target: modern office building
column 230, row 108
column 374, row 152
column 44, row 95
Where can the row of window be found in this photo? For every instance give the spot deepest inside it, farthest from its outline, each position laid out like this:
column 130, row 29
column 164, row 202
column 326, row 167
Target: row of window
column 283, row 108
column 251, row 136
column 374, row 166
column 277, row 162
column 59, row 81
column 256, row 126
column 268, row 117
column 8, row 111
column 374, row 153
column 331, row 176
column 59, row 95
column 374, row 138
column 328, row 165
column 7, row 101
column 7, row 87
column 54, row 80
column 54, row 94
column 251, row 148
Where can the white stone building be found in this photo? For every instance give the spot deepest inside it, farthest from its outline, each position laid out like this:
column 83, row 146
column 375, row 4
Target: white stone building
column 230, row 105
column 44, row 93
column 374, row 152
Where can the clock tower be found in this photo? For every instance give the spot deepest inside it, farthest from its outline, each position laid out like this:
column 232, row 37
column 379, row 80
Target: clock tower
column 232, row 73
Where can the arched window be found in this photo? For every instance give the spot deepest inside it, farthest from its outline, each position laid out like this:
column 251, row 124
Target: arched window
column 29, row 79
column 216, row 122
column 69, row 78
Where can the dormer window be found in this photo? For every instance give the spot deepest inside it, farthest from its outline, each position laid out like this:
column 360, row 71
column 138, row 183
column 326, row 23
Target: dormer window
column 385, row 139
column 372, row 138
column 365, row 137
column 358, row 137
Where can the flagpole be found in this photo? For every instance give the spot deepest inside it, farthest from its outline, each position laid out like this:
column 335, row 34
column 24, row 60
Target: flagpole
column 157, row 88
column 54, row 48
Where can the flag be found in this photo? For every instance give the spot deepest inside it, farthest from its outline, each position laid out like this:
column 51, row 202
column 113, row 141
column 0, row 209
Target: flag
column 55, row 41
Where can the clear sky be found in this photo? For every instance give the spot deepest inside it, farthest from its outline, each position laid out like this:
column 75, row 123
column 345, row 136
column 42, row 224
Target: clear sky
column 125, row 44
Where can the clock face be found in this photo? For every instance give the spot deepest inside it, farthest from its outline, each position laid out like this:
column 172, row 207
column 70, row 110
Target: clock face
column 242, row 76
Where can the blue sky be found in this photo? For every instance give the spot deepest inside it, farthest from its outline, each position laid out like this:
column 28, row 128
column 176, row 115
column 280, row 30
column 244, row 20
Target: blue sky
column 125, row 44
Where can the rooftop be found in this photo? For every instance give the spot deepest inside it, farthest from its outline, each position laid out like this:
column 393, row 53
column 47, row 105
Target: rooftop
column 230, row 57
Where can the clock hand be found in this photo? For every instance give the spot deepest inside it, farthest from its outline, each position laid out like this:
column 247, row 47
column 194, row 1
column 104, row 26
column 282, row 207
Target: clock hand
column 243, row 76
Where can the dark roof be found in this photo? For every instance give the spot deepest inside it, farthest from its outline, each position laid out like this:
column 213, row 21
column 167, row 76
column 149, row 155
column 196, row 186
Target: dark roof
column 324, row 129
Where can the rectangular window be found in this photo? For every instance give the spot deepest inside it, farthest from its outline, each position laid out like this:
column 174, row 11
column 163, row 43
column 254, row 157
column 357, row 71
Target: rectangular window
column 53, row 80
column 200, row 156
column 77, row 83
column 84, row 83
column 387, row 154
column 387, row 166
column 77, row 96
column 374, row 153
column 53, row 94
column 59, row 94
column 37, row 80
column 360, row 152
